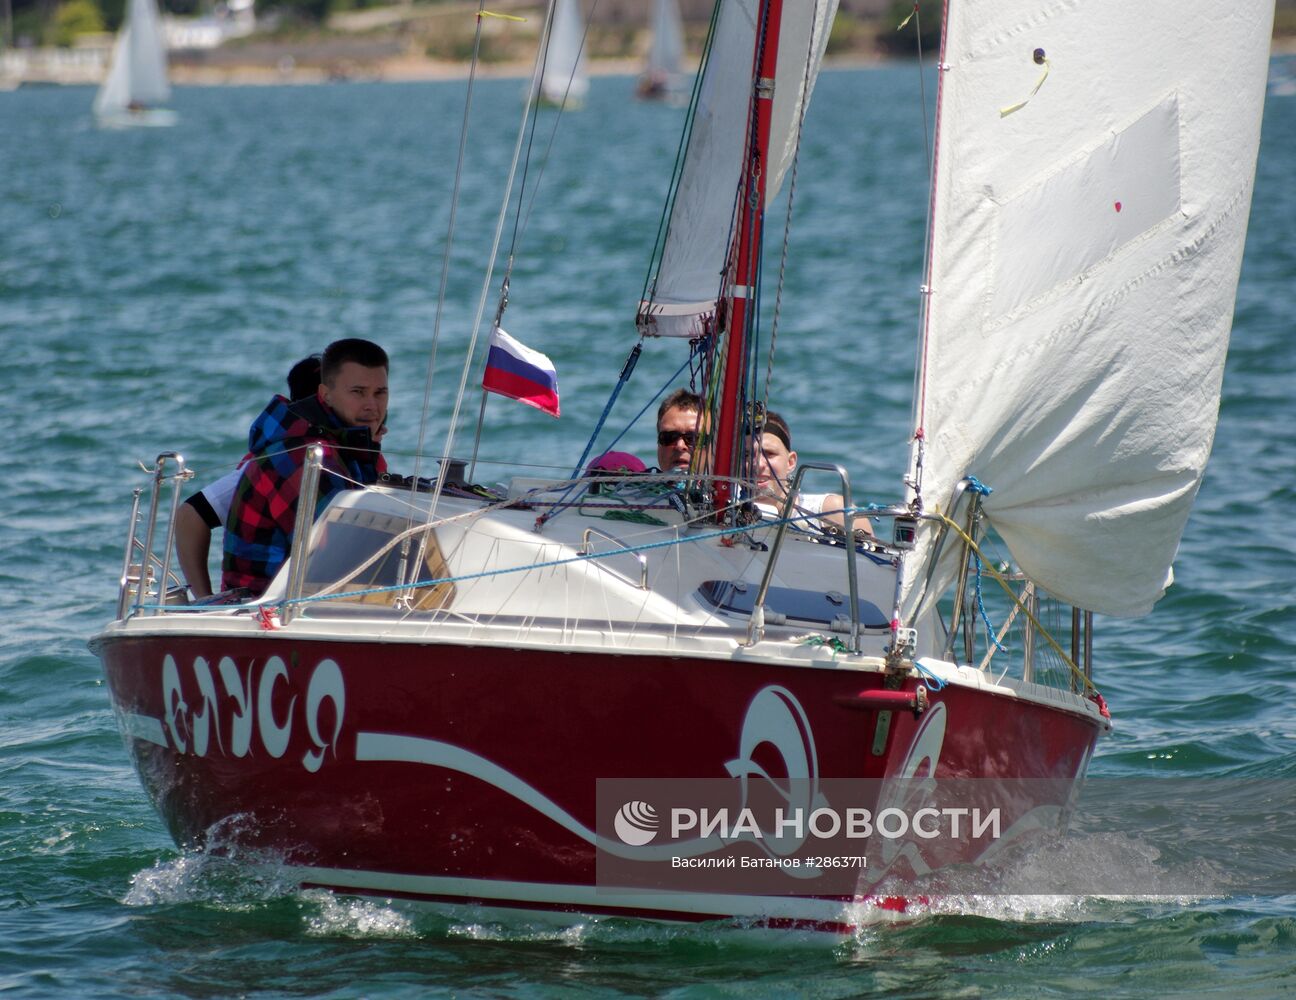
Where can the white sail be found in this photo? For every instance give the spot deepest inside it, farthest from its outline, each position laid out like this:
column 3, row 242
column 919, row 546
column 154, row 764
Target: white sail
column 138, row 75
column 1085, row 254
column 667, row 50
column 565, row 79
column 688, row 278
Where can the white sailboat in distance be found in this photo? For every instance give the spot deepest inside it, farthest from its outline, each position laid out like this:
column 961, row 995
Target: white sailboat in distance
column 564, row 81
column 136, row 85
column 660, row 77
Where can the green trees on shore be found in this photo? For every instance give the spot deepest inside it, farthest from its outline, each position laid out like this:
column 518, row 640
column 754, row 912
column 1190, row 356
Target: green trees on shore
column 60, row 22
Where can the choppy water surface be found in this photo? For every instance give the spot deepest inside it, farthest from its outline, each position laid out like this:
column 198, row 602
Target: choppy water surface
column 155, row 285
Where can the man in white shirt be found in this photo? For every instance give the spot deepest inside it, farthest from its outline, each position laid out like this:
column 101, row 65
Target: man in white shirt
column 775, row 461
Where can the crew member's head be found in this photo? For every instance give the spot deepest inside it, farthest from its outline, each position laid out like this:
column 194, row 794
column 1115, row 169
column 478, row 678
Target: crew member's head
column 353, row 383
column 774, row 458
column 304, row 377
column 677, row 429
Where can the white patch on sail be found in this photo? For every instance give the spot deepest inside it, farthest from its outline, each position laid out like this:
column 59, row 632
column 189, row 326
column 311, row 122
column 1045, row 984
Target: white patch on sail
column 1090, row 208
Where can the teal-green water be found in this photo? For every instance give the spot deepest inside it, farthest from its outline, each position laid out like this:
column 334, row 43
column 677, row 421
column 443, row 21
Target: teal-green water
column 155, row 285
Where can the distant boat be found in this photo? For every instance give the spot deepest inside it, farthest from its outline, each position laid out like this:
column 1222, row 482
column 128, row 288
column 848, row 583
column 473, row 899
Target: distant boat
column 1282, row 79
column 564, row 81
column 660, row 78
column 136, row 85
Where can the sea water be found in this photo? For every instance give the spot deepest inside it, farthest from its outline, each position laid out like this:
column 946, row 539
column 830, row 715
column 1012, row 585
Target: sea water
column 156, row 284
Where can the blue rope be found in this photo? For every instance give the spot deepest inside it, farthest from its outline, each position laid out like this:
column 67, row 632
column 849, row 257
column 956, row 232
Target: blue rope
column 626, row 371
column 976, row 486
column 985, row 618
column 563, row 501
column 934, row 681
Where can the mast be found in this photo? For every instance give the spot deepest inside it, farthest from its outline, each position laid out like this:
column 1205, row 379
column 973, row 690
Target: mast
column 741, row 292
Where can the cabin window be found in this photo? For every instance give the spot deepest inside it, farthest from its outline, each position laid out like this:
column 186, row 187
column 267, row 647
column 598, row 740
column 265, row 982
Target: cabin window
column 346, row 539
column 821, row 607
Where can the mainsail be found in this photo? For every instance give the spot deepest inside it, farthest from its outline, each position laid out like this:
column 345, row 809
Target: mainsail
column 138, row 77
column 1094, row 165
column 687, row 283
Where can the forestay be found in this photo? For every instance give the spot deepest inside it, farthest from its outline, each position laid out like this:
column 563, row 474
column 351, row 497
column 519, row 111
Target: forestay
column 139, row 74
column 687, row 283
column 1084, row 263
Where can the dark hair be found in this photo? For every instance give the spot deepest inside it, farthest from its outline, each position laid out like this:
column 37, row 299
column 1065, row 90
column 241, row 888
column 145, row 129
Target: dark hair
column 363, row 352
column 776, row 425
column 304, row 377
column 685, row 399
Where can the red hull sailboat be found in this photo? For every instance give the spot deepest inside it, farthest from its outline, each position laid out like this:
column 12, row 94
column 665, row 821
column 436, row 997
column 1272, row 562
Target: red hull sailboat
column 443, row 694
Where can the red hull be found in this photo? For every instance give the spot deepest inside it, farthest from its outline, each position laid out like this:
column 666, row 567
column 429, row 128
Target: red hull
column 287, row 745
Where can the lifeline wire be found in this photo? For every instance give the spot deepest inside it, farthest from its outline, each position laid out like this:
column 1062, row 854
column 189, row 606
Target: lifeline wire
column 628, row 549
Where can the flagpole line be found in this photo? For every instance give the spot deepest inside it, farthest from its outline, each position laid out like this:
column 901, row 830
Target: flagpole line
column 481, row 421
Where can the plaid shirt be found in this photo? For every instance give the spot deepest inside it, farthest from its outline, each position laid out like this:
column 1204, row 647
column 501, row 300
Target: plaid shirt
column 258, row 532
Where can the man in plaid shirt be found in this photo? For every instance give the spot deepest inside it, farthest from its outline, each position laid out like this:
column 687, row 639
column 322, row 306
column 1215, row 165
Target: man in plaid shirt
column 347, row 417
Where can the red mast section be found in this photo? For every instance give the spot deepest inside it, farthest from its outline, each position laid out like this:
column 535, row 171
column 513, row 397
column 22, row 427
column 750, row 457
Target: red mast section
column 746, row 256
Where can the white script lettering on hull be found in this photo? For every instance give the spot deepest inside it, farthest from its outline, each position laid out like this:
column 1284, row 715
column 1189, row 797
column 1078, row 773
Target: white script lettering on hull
column 193, row 729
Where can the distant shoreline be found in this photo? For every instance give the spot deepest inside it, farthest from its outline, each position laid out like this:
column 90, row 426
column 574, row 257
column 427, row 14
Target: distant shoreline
column 415, row 70
column 297, row 65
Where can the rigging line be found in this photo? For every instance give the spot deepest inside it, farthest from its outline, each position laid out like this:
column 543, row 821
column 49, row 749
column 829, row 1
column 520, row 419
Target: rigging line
column 1076, row 672
column 553, row 133
column 481, row 302
column 931, row 154
column 429, row 527
column 562, row 503
column 445, row 255
column 787, row 222
column 752, row 169
column 626, row 371
column 523, row 568
column 537, row 74
column 681, row 154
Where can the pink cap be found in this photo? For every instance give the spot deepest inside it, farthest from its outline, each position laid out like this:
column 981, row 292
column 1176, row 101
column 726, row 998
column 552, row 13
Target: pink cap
column 617, row 461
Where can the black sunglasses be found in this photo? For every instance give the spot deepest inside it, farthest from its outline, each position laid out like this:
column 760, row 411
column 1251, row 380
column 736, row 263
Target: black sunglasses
column 667, row 438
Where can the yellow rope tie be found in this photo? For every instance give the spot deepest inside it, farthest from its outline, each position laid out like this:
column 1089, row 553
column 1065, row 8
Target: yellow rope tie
column 502, row 17
column 900, row 26
column 1041, row 60
column 1075, row 671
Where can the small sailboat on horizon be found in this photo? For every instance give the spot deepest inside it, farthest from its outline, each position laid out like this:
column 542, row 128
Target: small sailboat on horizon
column 661, row 73
column 564, row 79
column 136, row 86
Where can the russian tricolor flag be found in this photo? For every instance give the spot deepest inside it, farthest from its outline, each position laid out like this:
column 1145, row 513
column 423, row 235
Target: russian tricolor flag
column 520, row 373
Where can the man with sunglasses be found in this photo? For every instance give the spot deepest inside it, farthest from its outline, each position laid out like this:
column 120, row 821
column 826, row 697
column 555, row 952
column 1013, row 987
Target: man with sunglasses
column 677, row 422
